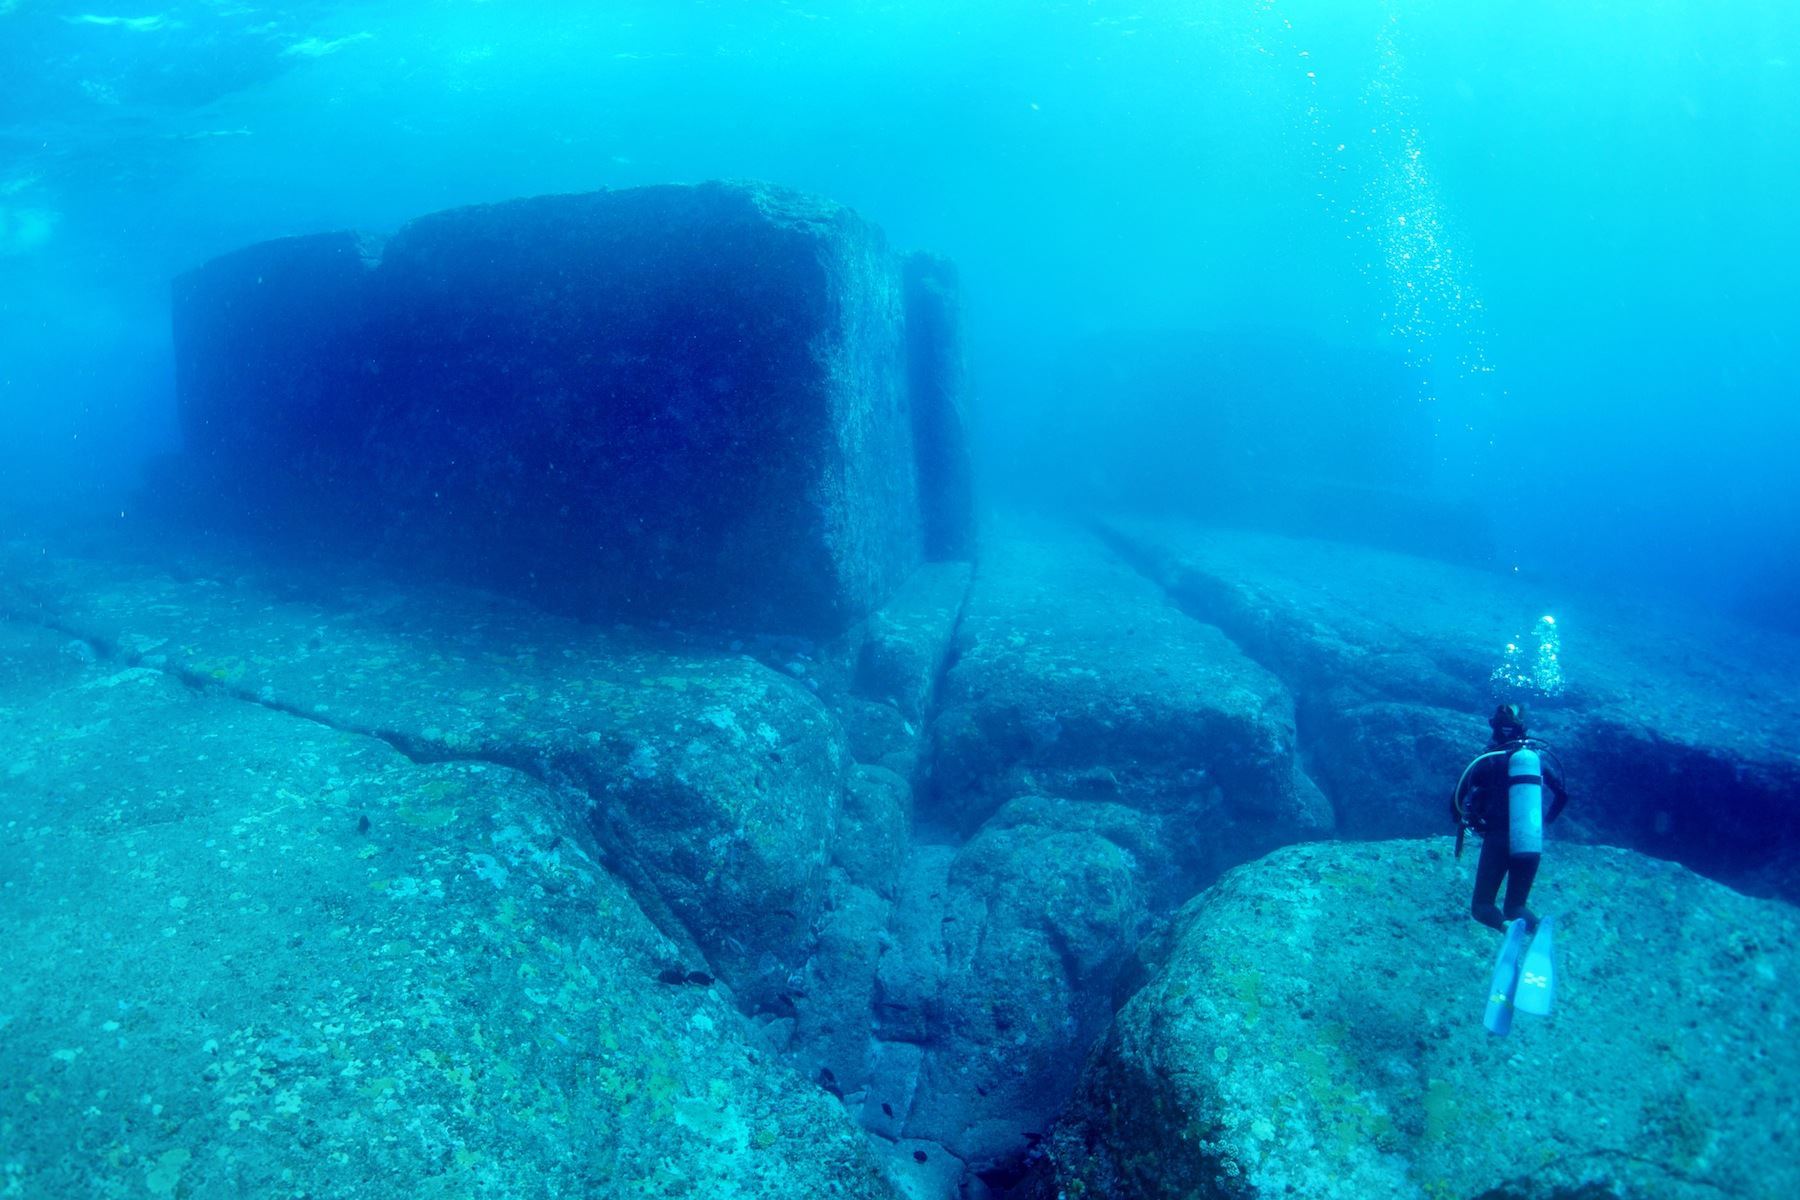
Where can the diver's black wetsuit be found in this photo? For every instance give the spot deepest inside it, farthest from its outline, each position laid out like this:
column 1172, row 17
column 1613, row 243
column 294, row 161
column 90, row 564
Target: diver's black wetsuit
column 1484, row 796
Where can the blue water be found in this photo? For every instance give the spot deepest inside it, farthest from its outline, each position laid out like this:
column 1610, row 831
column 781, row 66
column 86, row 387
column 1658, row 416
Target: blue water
column 1568, row 220
column 613, row 778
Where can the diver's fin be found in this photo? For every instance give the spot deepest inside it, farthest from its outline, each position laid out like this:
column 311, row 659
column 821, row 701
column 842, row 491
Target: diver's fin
column 1506, row 976
column 1537, row 974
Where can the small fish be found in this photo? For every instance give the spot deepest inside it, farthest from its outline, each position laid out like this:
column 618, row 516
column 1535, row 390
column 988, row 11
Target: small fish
column 887, row 1108
column 920, row 1156
column 362, row 823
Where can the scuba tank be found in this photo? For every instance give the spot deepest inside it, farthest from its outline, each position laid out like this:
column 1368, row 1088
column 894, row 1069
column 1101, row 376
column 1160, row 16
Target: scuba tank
column 1524, row 792
column 1525, row 802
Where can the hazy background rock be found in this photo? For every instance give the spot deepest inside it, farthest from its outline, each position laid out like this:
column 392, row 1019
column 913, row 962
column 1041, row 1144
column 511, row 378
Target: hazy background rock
column 1258, row 428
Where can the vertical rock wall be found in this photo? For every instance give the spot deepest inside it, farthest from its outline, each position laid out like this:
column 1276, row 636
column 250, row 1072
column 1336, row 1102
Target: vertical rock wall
column 939, row 379
column 699, row 404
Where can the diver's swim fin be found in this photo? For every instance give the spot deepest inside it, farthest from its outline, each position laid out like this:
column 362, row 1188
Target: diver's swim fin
column 1537, row 974
column 1506, row 976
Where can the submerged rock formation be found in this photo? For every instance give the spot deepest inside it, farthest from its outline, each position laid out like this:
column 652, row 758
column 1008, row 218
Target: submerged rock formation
column 1076, row 677
column 1316, row 1031
column 1085, row 755
column 1679, row 732
column 711, row 782
column 252, row 953
column 897, row 880
column 937, row 374
column 642, row 906
column 723, row 404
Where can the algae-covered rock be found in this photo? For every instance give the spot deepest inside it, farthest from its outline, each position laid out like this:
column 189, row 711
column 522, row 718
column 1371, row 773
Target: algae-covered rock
column 1075, row 677
column 873, row 827
column 1315, row 1030
column 711, row 782
column 1042, row 908
column 249, row 954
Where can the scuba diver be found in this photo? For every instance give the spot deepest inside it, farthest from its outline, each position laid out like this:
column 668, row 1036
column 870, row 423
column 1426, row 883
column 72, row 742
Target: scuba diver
column 1501, row 796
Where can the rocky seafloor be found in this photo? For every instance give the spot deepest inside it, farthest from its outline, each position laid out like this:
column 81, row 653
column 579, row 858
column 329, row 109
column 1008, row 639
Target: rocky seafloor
column 322, row 881
column 1310, row 1032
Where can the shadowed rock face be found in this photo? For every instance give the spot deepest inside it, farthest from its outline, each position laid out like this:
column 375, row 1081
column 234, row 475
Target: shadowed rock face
column 1315, row 1030
column 699, row 404
column 938, row 376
